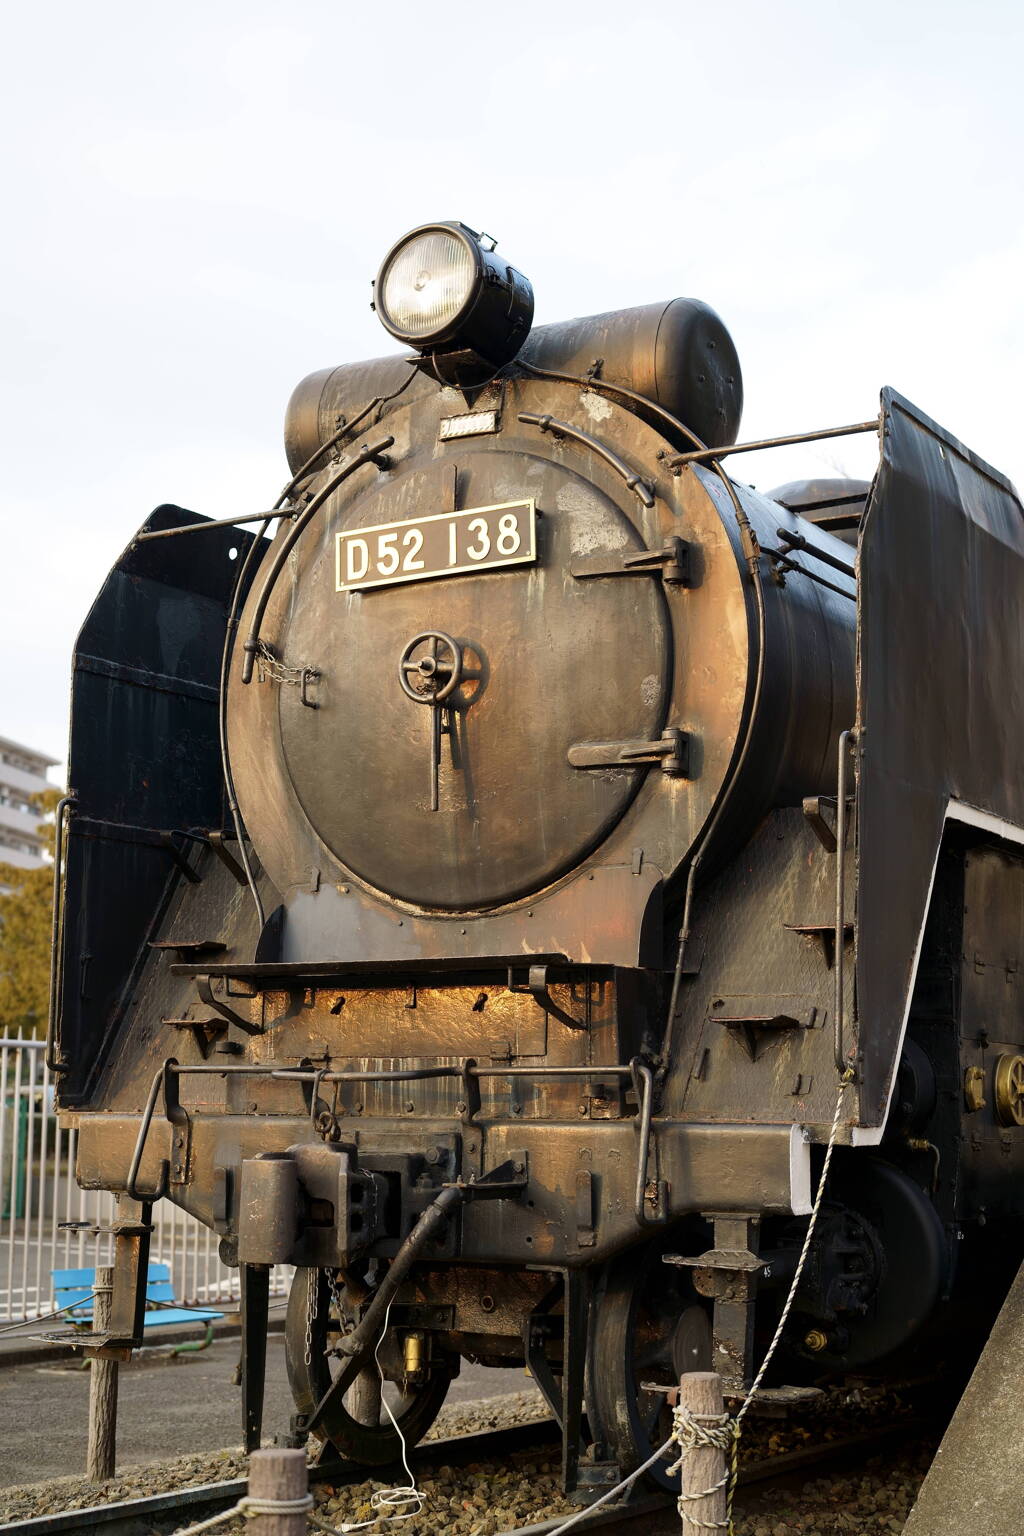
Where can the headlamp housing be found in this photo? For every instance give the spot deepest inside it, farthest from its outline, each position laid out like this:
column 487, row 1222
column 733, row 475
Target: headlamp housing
column 445, row 291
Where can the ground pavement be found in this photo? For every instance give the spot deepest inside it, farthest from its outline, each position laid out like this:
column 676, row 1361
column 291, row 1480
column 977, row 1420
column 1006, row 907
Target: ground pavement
column 166, row 1407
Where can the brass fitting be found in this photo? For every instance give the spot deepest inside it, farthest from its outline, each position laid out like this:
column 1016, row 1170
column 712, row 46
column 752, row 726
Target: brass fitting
column 414, row 1356
column 815, row 1340
column 974, row 1089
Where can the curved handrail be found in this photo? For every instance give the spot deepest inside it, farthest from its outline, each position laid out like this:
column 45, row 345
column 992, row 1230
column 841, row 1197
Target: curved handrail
column 369, row 453
column 634, row 481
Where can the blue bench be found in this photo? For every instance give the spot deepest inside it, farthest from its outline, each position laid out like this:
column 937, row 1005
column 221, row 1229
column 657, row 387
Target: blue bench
column 73, row 1293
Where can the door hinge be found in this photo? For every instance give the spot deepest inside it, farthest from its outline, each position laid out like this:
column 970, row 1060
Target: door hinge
column 671, row 752
column 671, row 563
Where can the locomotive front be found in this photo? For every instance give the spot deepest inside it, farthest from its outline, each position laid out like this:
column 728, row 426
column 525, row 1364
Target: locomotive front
column 511, row 669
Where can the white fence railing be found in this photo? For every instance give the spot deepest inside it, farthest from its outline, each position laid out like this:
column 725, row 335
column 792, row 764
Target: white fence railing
column 40, row 1202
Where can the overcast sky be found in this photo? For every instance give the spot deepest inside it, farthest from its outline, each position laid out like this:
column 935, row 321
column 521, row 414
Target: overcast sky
column 196, row 196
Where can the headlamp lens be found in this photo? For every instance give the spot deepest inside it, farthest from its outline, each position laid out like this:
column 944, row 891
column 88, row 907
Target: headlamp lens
column 427, row 283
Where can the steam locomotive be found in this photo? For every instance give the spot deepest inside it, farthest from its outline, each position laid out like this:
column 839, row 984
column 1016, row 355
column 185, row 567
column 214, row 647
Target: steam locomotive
column 479, row 880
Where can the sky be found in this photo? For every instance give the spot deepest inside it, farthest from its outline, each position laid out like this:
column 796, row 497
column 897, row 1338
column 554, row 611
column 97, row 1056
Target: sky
column 198, row 195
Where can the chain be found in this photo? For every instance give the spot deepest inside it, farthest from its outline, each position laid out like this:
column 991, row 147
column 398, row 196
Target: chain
column 270, row 670
column 332, row 1286
column 312, row 1296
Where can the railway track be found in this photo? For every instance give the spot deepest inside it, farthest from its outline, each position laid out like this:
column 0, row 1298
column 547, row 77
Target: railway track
column 161, row 1514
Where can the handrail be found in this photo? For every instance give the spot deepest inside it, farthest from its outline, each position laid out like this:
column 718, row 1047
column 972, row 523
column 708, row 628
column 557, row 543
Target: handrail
column 846, row 738
column 369, row 453
column 56, row 935
column 171, row 1067
column 633, row 481
column 698, row 454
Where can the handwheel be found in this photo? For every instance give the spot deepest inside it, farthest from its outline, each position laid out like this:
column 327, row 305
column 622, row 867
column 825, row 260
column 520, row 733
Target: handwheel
column 358, row 1426
column 649, row 1326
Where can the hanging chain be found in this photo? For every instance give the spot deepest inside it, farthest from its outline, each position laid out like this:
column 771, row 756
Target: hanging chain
column 270, row 670
column 312, row 1296
column 332, row 1286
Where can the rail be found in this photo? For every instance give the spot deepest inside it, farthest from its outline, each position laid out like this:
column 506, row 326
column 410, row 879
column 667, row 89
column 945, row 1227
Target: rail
column 164, row 1510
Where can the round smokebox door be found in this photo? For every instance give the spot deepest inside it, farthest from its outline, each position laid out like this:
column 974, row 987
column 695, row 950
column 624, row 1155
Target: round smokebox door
column 436, row 765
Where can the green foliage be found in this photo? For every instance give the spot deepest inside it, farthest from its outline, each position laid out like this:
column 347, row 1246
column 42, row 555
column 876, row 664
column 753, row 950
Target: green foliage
column 26, row 908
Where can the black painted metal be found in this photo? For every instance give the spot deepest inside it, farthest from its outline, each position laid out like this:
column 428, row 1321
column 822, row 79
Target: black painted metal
column 941, row 688
column 255, row 1302
column 143, row 754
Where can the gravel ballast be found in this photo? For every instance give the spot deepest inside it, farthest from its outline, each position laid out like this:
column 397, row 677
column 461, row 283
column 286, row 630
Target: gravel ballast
column 483, row 1499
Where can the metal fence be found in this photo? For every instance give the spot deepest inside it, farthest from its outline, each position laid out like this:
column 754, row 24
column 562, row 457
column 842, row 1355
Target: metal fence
column 41, row 1205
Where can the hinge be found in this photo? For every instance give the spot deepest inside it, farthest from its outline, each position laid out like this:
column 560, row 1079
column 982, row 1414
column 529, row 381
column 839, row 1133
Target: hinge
column 671, row 753
column 671, row 563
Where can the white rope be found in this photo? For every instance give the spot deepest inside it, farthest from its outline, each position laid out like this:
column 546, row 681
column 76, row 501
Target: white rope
column 705, row 1431
column 248, row 1507
column 401, row 1503
column 688, row 1430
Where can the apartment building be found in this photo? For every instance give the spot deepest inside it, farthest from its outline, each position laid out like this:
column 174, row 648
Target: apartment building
column 22, row 774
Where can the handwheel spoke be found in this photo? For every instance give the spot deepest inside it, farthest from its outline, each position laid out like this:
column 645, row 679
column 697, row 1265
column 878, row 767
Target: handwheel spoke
column 363, row 1398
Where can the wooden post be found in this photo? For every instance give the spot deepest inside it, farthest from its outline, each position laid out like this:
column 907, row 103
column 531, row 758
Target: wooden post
column 700, row 1392
column 278, row 1474
column 102, row 1388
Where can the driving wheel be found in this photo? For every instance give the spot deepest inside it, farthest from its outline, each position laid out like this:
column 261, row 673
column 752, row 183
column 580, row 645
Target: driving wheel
column 649, row 1327
column 358, row 1426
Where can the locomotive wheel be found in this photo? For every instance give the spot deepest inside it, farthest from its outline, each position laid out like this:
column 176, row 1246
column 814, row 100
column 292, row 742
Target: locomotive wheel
column 649, row 1326
column 358, row 1427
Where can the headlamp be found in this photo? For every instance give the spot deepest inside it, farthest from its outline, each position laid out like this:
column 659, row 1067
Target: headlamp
column 444, row 290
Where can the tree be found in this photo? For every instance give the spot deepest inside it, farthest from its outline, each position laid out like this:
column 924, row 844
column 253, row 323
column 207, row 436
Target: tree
column 26, row 915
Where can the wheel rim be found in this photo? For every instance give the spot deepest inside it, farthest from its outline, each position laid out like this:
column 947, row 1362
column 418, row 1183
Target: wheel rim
column 649, row 1327
column 359, row 1426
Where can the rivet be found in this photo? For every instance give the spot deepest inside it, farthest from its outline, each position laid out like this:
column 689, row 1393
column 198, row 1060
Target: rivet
column 410, row 1106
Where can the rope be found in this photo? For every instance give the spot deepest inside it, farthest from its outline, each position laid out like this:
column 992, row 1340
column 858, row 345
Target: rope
column 699, row 1432
column 398, row 1503
column 248, row 1508
column 692, row 1432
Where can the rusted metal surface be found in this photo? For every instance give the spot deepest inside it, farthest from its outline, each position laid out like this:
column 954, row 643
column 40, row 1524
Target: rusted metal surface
column 480, row 769
column 515, row 813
